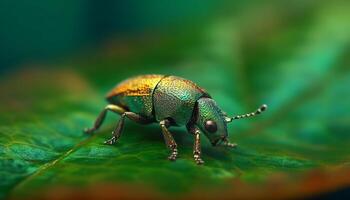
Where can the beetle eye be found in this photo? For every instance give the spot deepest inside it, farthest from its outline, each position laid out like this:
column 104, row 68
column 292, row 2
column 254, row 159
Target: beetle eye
column 210, row 126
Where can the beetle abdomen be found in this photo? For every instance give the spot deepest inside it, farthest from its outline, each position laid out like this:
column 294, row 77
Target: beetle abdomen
column 175, row 98
column 135, row 94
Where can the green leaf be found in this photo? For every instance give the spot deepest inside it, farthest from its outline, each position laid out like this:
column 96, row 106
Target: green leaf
column 298, row 64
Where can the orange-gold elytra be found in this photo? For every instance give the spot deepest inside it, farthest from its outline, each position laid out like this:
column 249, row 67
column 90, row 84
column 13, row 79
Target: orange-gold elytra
column 137, row 86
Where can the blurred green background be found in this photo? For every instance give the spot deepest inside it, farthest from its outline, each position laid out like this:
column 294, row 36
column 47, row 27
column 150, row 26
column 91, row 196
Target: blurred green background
column 59, row 58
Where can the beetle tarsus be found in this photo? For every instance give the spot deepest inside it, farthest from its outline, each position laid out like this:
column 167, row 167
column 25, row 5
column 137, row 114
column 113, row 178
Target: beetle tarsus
column 111, row 141
column 198, row 159
column 173, row 155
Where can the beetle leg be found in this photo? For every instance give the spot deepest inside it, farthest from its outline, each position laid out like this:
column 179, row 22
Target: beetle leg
column 119, row 128
column 197, row 144
column 102, row 116
column 138, row 118
column 227, row 143
column 169, row 140
column 197, row 148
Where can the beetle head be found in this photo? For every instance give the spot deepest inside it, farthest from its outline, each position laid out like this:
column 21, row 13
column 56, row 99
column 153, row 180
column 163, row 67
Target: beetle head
column 211, row 120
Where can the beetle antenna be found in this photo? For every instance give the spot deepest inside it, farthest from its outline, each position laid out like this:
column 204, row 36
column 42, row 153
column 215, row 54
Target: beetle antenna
column 261, row 109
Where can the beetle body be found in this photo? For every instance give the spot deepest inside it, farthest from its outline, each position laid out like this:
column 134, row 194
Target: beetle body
column 171, row 101
column 158, row 97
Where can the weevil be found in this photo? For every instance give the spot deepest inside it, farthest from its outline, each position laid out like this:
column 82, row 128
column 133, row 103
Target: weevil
column 169, row 101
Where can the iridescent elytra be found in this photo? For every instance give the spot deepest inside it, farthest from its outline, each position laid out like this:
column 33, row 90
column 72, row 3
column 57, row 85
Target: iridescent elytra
column 169, row 101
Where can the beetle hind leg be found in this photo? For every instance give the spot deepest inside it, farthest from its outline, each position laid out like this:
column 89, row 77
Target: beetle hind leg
column 117, row 131
column 102, row 116
column 120, row 125
column 169, row 140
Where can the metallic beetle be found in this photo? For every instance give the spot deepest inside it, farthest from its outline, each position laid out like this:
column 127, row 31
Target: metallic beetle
column 169, row 101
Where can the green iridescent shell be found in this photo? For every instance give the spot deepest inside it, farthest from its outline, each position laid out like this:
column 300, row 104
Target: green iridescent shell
column 175, row 98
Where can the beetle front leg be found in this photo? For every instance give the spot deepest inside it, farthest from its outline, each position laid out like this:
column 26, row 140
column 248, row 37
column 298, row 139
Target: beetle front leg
column 197, row 148
column 197, row 145
column 169, row 140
